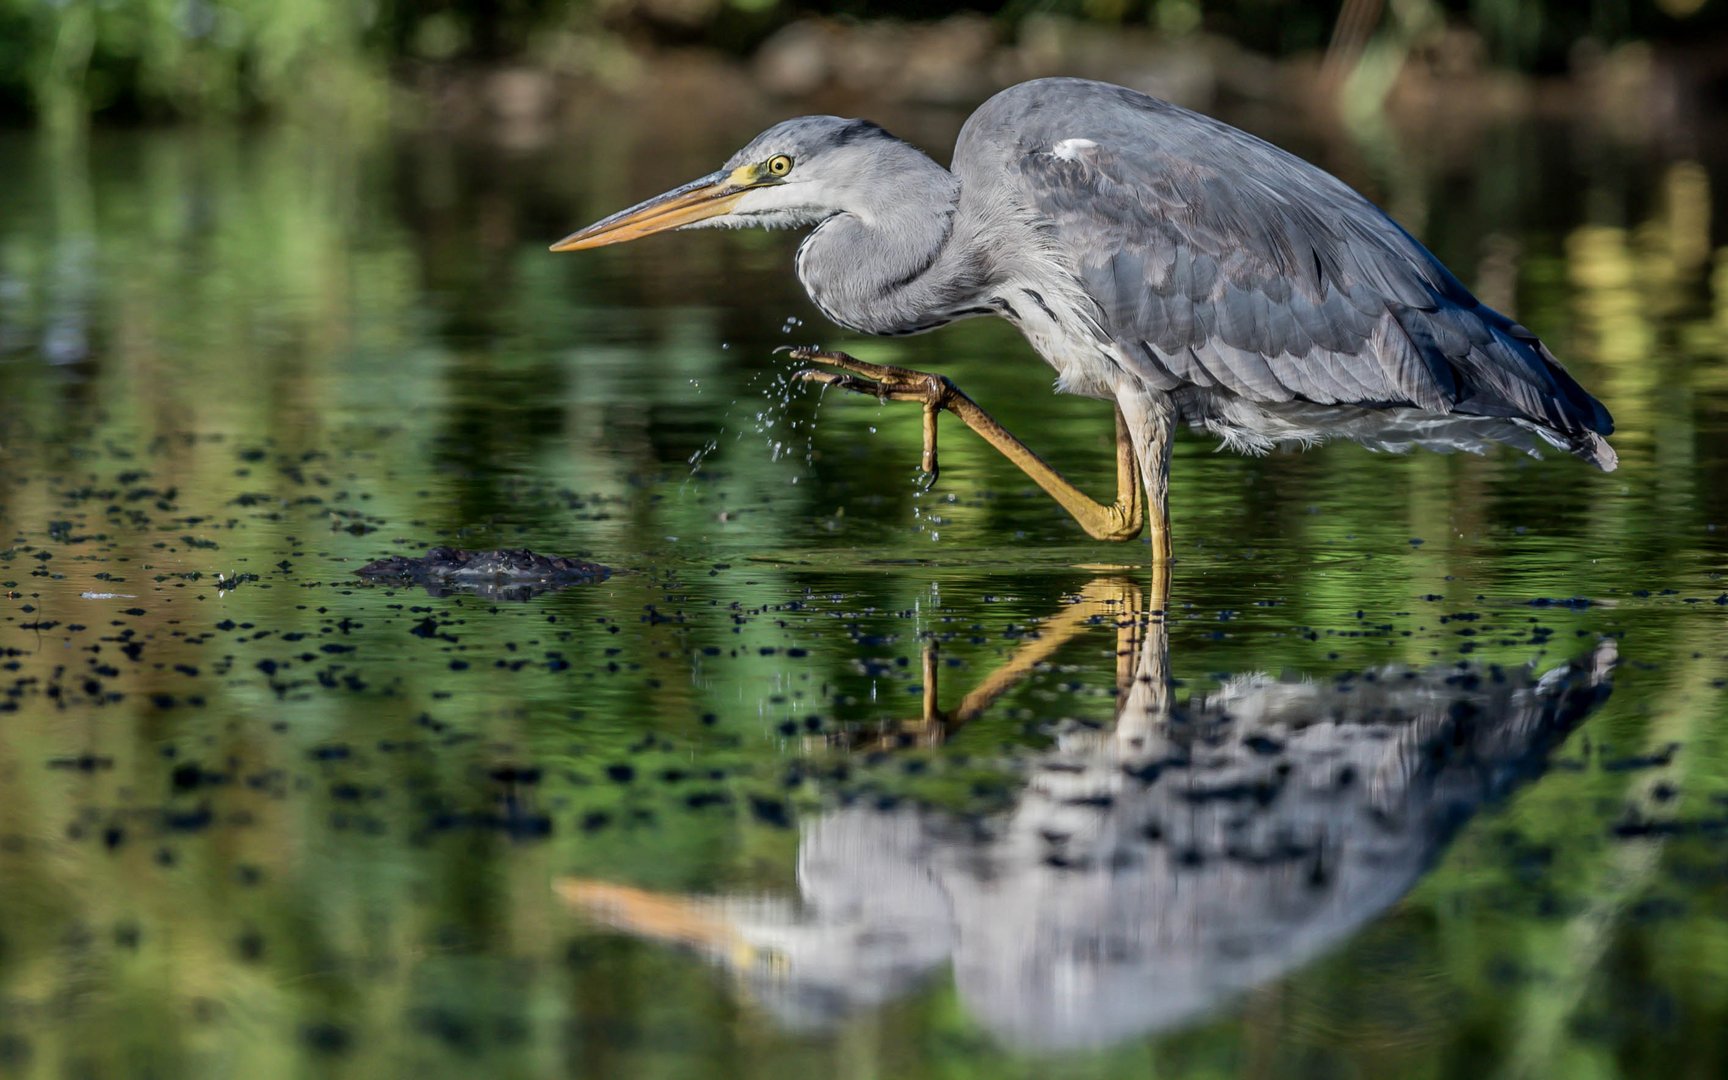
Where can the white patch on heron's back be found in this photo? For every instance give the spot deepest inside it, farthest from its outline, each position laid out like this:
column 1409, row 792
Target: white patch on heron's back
column 1070, row 149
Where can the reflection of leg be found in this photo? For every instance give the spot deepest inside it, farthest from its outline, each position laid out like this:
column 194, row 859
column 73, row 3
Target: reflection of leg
column 1142, row 662
column 1130, row 624
column 1121, row 520
column 1146, row 702
column 932, row 708
column 1115, row 599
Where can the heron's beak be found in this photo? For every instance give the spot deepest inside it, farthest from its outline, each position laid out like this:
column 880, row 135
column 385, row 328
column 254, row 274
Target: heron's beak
column 699, row 200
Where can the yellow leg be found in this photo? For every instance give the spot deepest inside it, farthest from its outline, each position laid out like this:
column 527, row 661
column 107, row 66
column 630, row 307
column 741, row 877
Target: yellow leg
column 1152, row 423
column 1120, row 520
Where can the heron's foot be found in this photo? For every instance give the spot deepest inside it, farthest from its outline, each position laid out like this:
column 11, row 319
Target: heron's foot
column 886, row 382
column 882, row 381
column 1120, row 520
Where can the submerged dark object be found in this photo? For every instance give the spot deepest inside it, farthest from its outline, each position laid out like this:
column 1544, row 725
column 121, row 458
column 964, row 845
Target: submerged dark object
column 506, row 573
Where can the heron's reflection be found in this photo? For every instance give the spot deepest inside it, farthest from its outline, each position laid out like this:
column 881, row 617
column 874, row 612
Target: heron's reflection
column 1146, row 873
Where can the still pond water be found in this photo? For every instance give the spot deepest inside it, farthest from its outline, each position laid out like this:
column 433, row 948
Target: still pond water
column 1425, row 773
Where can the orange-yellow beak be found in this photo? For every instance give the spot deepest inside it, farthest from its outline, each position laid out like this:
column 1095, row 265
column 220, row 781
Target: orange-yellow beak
column 711, row 196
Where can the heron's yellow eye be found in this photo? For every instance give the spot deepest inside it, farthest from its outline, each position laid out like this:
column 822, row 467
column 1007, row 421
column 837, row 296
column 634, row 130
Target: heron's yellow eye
column 779, row 165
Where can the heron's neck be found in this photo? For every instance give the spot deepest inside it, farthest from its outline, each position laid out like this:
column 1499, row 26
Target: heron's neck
column 886, row 264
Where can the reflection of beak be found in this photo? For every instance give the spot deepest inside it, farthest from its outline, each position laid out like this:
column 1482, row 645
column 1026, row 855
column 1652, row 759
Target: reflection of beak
column 698, row 200
column 670, row 918
column 661, row 916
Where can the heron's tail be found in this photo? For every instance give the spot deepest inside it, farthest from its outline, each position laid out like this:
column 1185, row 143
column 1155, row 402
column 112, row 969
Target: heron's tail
column 1517, row 377
column 1594, row 449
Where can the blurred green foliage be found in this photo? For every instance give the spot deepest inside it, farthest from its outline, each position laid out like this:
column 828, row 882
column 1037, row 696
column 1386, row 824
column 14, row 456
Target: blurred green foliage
column 61, row 60
column 186, row 58
column 64, row 58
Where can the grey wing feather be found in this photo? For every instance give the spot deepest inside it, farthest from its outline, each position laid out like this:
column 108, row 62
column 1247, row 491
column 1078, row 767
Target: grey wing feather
column 1219, row 260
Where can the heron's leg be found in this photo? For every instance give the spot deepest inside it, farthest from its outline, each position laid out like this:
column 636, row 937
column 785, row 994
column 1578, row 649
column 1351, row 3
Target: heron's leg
column 1151, row 421
column 1120, row 520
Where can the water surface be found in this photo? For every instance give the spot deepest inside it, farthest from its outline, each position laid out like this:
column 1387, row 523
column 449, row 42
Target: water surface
column 833, row 774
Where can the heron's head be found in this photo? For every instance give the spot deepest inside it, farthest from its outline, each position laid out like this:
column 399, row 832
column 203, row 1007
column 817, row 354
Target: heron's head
column 799, row 172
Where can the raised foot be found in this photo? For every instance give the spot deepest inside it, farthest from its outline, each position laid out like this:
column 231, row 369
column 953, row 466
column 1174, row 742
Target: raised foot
column 885, row 382
column 1120, row 520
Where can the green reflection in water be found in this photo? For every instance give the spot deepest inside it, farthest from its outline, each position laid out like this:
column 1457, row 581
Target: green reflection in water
column 300, row 825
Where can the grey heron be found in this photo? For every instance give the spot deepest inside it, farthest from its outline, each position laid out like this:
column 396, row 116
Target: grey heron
column 1158, row 258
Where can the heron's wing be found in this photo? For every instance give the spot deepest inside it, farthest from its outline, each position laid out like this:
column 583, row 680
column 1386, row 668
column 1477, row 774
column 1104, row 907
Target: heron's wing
column 1218, row 260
